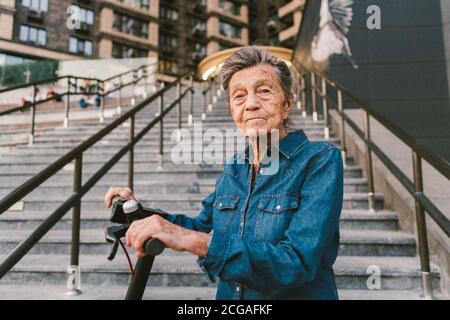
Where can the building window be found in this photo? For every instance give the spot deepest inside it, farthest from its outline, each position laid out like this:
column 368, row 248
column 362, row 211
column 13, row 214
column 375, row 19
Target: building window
column 167, row 67
column 229, row 30
column 168, row 14
column 196, row 24
column 33, row 35
column 80, row 46
column 130, row 25
column 230, row 7
column 140, row 4
column 197, row 4
column 6, row 60
column 85, row 15
column 38, row 5
column 168, row 40
column 196, row 47
column 123, row 51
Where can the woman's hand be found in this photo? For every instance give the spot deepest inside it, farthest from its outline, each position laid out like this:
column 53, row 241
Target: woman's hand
column 172, row 235
column 123, row 193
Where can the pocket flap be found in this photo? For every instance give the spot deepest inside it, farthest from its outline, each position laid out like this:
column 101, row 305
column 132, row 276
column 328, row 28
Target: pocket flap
column 226, row 202
column 278, row 203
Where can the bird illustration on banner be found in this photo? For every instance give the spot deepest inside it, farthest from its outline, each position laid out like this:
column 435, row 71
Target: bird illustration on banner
column 335, row 20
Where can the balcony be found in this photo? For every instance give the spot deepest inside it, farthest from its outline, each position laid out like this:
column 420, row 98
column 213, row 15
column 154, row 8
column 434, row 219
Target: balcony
column 272, row 26
column 199, row 7
column 167, row 50
column 198, row 31
column 197, row 56
column 35, row 15
column 84, row 28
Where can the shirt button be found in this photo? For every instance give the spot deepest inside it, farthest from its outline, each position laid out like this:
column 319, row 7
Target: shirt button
column 220, row 204
column 238, row 289
column 242, row 224
column 261, row 171
column 278, row 207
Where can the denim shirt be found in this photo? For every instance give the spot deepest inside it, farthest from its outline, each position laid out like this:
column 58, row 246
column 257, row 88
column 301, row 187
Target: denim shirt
column 279, row 238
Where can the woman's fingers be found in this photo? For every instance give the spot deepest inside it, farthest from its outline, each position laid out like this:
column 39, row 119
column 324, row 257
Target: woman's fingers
column 124, row 193
column 138, row 233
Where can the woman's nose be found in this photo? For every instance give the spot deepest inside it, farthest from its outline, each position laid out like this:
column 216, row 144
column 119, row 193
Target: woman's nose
column 251, row 103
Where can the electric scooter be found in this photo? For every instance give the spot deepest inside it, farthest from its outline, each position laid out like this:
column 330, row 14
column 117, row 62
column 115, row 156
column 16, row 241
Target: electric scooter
column 123, row 213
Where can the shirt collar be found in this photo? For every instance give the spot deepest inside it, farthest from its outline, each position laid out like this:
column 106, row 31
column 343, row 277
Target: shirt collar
column 288, row 146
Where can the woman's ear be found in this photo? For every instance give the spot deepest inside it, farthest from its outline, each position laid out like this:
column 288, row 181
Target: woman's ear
column 288, row 106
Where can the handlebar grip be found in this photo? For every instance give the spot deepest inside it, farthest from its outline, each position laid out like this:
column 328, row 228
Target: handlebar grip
column 154, row 247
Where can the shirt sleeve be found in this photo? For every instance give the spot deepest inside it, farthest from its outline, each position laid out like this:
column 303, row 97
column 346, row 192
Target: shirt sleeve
column 203, row 221
column 273, row 268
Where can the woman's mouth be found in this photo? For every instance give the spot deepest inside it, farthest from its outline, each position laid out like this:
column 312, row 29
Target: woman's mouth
column 255, row 119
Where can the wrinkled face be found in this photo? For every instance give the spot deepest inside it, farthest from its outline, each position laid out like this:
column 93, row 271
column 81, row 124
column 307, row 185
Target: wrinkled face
column 257, row 101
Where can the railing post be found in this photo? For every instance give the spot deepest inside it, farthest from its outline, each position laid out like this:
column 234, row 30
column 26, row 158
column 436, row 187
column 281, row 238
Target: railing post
column 133, row 88
column 75, row 245
column 210, row 105
column 205, row 103
column 313, row 96
column 179, row 111
column 144, row 72
column 33, row 116
column 422, row 229
column 214, row 91
column 119, row 108
column 161, row 129
column 131, row 156
column 101, row 96
column 369, row 166
column 343, row 139
column 66, row 117
column 303, row 93
column 191, row 102
column 325, row 108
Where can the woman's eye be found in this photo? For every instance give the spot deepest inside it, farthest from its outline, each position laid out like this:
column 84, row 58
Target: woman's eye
column 264, row 91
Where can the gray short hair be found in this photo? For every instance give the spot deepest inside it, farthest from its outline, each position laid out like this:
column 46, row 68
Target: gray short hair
column 252, row 56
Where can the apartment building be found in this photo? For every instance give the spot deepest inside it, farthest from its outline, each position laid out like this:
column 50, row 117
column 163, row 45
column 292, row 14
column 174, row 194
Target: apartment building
column 180, row 33
column 275, row 22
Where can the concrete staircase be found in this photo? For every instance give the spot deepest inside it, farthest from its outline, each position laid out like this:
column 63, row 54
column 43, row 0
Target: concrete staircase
column 368, row 239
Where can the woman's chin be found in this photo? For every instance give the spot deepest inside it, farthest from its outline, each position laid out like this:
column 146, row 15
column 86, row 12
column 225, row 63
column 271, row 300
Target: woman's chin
column 254, row 131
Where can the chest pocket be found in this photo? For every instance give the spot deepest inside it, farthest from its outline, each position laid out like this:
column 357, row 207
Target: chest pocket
column 225, row 208
column 274, row 216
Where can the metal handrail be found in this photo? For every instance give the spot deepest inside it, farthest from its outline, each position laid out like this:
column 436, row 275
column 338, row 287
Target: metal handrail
column 436, row 162
column 72, row 82
column 74, row 201
column 415, row 188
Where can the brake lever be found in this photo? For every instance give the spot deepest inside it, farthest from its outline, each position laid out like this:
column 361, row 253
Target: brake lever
column 113, row 235
column 113, row 251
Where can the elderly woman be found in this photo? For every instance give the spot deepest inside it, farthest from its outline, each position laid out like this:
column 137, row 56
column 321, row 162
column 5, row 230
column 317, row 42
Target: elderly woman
column 274, row 236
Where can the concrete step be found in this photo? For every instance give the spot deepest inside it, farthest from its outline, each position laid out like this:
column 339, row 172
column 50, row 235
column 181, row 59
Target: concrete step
column 72, row 139
column 103, row 292
column 353, row 242
column 88, row 159
column 141, row 187
column 191, row 173
column 117, row 292
column 152, row 144
column 352, row 273
column 151, row 172
column 208, row 123
column 350, row 219
column 161, row 187
column 35, row 201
